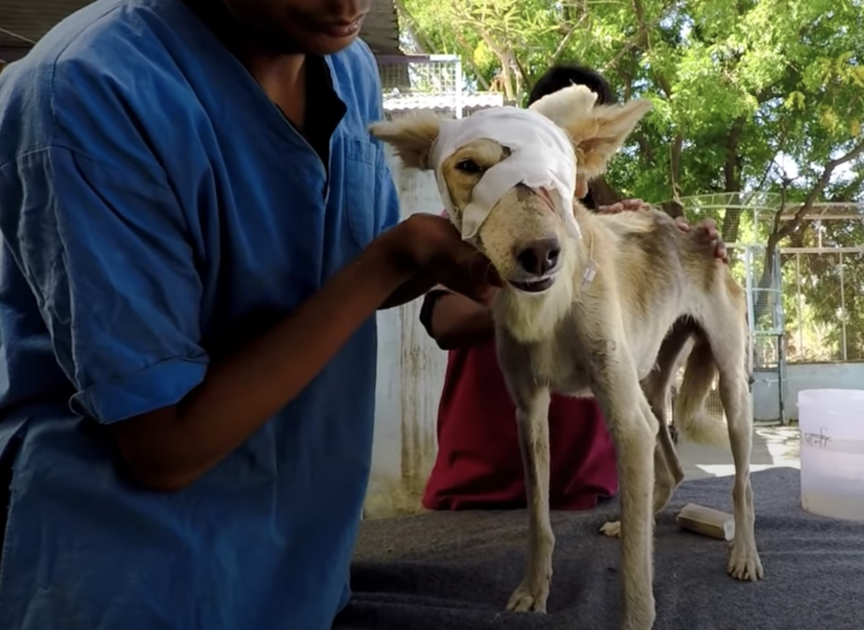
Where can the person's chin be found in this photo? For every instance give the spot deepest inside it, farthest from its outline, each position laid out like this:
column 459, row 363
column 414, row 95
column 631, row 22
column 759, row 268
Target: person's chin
column 323, row 38
column 326, row 44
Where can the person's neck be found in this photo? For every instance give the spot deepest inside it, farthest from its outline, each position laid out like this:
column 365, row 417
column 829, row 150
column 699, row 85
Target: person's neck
column 281, row 76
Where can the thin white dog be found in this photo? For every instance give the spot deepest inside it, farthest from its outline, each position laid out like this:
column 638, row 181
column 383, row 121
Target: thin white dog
column 593, row 305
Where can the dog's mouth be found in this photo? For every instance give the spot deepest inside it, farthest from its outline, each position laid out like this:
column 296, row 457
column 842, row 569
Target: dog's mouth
column 537, row 285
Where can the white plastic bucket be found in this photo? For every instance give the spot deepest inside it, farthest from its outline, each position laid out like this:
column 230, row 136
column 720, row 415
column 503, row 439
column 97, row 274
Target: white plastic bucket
column 831, row 422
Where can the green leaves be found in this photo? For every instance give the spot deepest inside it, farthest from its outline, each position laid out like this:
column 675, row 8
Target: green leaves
column 791, row 69
column 750, row 96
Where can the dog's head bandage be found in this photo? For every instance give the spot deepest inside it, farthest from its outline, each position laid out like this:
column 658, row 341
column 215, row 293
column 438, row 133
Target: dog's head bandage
column 541, row 156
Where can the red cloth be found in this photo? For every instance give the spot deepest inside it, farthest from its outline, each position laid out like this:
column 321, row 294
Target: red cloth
column 479, row 464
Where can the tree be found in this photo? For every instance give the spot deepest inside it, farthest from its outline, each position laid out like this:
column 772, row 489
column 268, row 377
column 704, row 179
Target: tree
column 751, row 96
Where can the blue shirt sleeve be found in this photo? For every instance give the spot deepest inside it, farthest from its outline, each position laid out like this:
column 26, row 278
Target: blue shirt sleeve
column 103, row 249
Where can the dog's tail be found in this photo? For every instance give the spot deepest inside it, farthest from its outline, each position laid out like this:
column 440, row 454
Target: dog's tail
column 690, row 417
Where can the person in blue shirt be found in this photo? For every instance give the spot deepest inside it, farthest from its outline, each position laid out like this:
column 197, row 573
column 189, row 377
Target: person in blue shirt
column 197, row 231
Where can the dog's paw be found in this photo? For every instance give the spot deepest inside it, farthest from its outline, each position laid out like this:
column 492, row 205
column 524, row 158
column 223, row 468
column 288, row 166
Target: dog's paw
column 611, row 529
column 639, row 619
column 529, row 598
column 744, row 563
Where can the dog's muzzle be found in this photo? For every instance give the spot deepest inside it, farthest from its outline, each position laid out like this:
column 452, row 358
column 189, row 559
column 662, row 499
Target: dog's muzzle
column 539, row 262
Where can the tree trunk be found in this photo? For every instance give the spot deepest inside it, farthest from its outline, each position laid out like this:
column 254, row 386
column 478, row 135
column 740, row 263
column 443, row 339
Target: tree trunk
column 732, row 183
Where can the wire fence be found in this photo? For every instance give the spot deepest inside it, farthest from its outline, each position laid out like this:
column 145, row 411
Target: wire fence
column 804, row 276
column 413, row 82
column 824, row 303
column 430, row 82
column 805, row 279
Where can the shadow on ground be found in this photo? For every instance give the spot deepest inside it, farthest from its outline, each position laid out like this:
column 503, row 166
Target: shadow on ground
column 773, row 447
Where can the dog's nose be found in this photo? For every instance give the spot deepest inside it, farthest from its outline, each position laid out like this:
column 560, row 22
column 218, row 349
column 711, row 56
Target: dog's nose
column 540, row 256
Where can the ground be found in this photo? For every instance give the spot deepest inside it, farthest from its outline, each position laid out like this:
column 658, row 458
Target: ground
column 773, row 447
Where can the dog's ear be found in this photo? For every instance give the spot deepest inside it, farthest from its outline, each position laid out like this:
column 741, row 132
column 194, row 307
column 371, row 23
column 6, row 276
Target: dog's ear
column 599, row 135
column 411, row 137
column 597, row 132
column 567, row 105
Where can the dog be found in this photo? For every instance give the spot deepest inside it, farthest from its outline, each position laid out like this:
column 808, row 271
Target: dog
column 604, row 312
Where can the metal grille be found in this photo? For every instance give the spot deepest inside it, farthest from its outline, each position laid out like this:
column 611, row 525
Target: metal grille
column 825, row 309
column 805, row 290
column 414, row 82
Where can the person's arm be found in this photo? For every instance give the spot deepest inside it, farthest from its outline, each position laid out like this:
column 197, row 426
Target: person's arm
column 455, row 321
column 601, row 193
column 170, row 447
column 409, row 291
column 105, row 249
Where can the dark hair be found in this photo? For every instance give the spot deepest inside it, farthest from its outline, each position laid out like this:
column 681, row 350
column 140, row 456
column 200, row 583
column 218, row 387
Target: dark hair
column 559, row 77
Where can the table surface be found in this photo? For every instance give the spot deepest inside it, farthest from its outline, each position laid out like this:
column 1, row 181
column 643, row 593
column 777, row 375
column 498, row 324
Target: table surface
column 455, row 570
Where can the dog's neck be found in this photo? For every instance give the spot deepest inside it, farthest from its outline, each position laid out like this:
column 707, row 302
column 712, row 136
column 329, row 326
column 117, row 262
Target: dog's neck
column 530, row 318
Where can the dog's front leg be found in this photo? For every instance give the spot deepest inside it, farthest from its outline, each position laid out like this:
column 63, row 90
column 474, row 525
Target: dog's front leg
column 633, row 427
column 532, row 417
column 668, row 472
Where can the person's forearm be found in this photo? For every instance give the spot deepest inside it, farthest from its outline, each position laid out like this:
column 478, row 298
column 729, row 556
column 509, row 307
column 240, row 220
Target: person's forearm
column 170, row 448
column 409, row 291
column 459, row 322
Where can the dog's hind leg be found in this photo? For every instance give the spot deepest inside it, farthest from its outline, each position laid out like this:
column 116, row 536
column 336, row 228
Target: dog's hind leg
column 667, row 467
column 729, row 343
column 532, row 417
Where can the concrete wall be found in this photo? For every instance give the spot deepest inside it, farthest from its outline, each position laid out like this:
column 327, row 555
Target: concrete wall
column 410, row 377
column 801, row 376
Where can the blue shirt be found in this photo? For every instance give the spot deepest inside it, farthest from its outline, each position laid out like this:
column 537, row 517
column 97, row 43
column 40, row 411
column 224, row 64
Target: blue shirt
column 157, row 210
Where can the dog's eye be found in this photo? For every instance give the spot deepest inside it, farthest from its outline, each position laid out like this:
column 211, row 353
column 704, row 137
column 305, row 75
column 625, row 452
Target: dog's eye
column 469, row 166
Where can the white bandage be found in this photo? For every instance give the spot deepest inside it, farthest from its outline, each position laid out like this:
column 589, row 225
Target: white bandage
column 541, row 156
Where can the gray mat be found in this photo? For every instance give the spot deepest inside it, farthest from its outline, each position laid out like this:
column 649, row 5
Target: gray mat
column 454, row 571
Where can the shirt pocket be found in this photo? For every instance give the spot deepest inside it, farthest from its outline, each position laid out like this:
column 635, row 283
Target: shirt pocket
column 361, row 188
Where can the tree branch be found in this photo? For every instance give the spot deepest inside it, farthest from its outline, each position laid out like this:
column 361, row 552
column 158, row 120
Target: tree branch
column 675, row 164
column 402, row 11
column 824, row 179
column 844, row 195
column 731, row 173
column 505, row 55
column 644, row 39
column 634, row 43
column 566, row 39
column 469, row 57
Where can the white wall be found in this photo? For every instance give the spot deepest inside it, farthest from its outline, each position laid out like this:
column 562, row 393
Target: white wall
column 800, row 376
column 410, row 377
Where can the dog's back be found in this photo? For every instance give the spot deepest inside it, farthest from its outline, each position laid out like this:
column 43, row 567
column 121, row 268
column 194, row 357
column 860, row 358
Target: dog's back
column 671, row 281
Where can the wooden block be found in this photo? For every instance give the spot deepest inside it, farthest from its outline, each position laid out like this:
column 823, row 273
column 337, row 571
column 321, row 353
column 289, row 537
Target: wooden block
column 707, row 521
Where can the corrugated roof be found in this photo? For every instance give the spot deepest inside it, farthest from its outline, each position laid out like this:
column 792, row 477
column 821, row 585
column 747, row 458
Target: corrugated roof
column 381, row 29
column 440, row 102
column 25, row 21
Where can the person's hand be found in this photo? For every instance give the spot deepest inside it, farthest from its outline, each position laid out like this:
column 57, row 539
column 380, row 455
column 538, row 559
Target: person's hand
column 625, row 205
column 707, row 234
column 432, row 247
column 705, row 231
